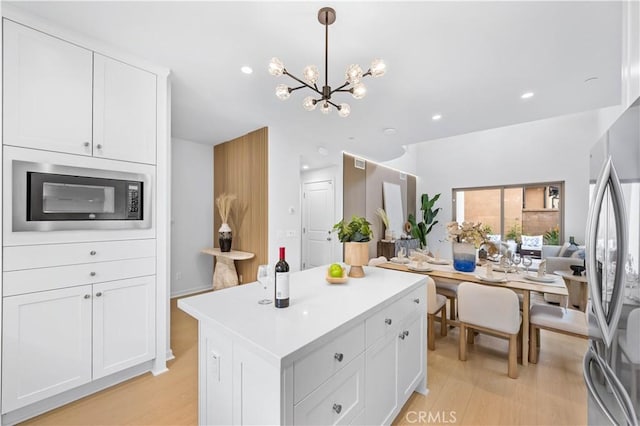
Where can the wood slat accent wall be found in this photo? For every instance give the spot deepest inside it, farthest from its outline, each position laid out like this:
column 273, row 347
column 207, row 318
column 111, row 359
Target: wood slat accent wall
column 240, row 167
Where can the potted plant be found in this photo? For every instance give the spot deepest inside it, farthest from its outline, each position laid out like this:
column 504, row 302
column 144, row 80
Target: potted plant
column 355, row 235
column 422, row 229
column 224, row 203
column 467, row 239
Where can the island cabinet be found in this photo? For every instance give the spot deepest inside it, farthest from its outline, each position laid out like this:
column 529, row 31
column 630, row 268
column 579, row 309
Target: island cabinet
column 340, row 354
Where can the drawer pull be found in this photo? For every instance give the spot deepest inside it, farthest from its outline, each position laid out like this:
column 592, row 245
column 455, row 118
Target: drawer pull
column 99, row 146
column 85, row 144
column 87, row 296
column 338, row 356
column 92, row 252
column 388, row 321
column 98, row 294
column 337, row 408
column 401, row 335
column 416, row 300
column 93, row 274
column 406, row 332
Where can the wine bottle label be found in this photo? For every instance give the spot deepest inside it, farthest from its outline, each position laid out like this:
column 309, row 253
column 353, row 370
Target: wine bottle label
column 282, row 285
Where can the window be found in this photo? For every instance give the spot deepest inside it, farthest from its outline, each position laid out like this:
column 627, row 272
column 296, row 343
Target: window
column 514, row 210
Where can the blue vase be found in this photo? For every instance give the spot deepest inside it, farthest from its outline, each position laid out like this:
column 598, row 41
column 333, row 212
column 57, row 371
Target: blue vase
column 464, row 257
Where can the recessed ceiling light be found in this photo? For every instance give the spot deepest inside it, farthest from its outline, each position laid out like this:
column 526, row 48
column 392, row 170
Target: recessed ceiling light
column 436, row 117
column 305, row 166
column 590, row 79
column 389, row 131
column 527, row 95
column 246, row 69
column 323, row 151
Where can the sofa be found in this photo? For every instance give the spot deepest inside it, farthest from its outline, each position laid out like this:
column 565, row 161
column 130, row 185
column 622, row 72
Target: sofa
column 560, row 258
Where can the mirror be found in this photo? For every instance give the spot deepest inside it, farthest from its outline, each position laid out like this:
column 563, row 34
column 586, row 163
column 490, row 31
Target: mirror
column 393, row 207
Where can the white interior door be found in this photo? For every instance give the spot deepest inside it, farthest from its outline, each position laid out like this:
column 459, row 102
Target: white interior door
column 318, row 217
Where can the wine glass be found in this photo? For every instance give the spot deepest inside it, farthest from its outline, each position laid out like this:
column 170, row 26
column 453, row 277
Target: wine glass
column 526, row 262
column 506, row 264
column 264, row 277
column 516, row 259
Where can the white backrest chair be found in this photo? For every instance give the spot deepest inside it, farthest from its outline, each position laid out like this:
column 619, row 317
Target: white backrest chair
column 492, row 310
column 435, row 303
column 557, row 319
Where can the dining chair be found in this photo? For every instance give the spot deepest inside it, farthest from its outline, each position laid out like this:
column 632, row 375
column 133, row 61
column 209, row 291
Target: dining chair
column 557, row 319
column 450, row 291
column 491, row 310
column 437, row 303
column 629, row 342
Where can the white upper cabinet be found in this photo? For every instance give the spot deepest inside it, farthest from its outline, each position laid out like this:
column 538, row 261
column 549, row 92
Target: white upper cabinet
column 124, row 109
column 47, row 91
column 62, row 97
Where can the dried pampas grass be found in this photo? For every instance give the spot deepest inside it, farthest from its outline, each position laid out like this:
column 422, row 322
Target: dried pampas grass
column 224, row 203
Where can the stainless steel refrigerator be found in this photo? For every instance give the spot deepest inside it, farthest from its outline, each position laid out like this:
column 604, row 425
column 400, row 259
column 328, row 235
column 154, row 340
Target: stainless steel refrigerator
column 612, row 362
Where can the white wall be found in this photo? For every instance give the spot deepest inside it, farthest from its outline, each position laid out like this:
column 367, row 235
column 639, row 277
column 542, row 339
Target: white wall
column 555, row 149
column 407, row 162
column 192, row 217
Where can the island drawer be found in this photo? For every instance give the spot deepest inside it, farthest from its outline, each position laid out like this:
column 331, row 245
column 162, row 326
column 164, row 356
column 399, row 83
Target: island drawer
column 315, row 368
column 387, row 319
column 47, row 255
column 41, row 279
column 338, row 401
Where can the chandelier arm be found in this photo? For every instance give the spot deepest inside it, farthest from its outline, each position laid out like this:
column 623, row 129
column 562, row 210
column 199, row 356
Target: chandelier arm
column 291, row 89
column 331, row 103
column 340, row 89
column 367, row 73
column 343, row 90
column 303, row 83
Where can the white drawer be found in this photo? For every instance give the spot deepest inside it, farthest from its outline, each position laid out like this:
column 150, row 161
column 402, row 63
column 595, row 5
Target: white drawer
column 310, row 371
column 338, row 401
column 387, row 319
column 41, row 279
column 47, row 255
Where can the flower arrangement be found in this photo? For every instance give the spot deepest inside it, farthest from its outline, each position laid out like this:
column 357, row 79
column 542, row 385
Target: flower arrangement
column 224, row 203
column 383, row 216
column 468, row 232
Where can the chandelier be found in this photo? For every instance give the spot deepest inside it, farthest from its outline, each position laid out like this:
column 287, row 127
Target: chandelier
column 353, row 76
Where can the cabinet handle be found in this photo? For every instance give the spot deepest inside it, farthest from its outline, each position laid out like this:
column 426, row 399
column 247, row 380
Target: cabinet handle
column 87, row 296
column 388, row 321
column 86, row 144
column 98, row 294
column 92, row 252
column 93, row 274
column 338, row 356
column 416, row 300
column 337, row 408
column 406, row 332
column 401, row 335
column 99, row 146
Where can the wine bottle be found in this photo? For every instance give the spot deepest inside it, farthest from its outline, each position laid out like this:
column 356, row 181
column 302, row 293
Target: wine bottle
column 282, row 282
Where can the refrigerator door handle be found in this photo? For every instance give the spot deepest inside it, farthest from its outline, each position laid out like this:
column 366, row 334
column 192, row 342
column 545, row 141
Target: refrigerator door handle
column 612, row 382
column 607, row 322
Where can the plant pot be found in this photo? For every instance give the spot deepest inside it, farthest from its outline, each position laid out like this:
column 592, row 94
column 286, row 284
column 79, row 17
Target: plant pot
column 225, row 237
column 464, row 257
column 356, row 255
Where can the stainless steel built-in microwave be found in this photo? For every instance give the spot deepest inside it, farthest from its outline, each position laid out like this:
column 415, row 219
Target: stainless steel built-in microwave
column 52, row 197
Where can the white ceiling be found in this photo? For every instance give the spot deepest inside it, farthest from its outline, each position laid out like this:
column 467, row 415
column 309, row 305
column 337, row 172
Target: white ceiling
column 469, row 61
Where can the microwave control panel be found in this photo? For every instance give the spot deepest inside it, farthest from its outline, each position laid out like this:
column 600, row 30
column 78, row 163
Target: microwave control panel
column 134, row 200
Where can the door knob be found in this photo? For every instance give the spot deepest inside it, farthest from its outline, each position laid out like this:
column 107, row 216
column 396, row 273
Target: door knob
column 337, row 408
column 338, row 356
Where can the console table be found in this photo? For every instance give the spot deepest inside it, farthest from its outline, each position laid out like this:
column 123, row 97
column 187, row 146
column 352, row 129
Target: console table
column 390, row 249
column 224, row 271
column 574, row 281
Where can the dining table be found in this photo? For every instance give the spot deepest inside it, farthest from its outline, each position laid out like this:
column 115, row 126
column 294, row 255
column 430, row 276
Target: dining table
column 516, row 281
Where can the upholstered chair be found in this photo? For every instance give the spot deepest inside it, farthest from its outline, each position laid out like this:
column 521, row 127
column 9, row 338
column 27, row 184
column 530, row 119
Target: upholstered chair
column 556, row 319
column 436, row 304
column 492, row 310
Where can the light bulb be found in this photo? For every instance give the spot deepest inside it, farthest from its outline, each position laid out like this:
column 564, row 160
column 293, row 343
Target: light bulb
column 344, row 110
column 282, row 92
column 276, row 67
column 378, row 68
column 353, row 74
column 310, row 74
column 309, row 104
column 359, row 91
column 325, row 108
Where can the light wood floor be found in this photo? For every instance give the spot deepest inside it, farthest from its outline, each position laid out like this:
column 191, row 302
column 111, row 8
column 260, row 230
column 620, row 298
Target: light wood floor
column 475, row 392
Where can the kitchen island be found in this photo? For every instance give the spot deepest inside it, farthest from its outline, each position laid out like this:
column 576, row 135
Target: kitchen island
column 348, row 353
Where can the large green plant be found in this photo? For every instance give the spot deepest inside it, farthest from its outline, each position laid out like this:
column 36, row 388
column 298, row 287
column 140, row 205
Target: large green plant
column 422, row 229
column 358, row 230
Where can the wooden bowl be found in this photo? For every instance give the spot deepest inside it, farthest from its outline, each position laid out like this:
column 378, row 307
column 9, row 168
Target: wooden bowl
column 341, row 280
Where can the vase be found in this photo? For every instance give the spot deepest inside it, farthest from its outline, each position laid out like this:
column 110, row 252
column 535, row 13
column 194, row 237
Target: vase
column 225, row 237
column 464, row 257
column 356, row 255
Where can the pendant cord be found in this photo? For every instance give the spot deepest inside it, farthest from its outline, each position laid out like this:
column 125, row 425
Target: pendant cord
column 326, row 48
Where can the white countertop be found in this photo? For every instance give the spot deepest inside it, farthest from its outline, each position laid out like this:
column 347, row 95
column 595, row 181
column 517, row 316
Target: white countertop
column 316, row 308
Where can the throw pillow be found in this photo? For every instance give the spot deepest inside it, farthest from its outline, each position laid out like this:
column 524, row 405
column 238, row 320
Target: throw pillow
column 579, row 253
column 569, row 251
column 562, row 249
column 532, row 241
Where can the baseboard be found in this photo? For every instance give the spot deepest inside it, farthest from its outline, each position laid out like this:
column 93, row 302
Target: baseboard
column 48, row 404
column 190, row 291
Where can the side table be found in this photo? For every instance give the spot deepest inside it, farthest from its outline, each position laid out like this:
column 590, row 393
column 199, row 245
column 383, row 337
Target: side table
column 573, row 281
column 224, row 271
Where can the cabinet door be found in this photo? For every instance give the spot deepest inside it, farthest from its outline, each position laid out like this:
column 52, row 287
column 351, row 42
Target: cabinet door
column 123, row 324
column 46, row 344
column 124, row 103
column 47, row 91
column 381, row 399
column 215, row 381
column 411, row 357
